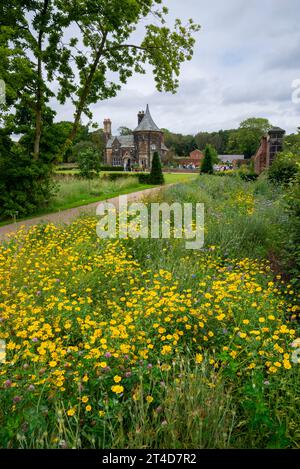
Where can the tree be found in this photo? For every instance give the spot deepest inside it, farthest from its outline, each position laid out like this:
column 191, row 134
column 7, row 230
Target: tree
column 292, row 143
column 93, row 63
column 207, row 163
column 124, row 131
column 247, row 138
column 31, row 47
column 156, row 176
column 88, row 163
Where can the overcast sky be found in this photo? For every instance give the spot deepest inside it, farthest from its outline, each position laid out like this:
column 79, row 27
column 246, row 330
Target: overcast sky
column 246, row 57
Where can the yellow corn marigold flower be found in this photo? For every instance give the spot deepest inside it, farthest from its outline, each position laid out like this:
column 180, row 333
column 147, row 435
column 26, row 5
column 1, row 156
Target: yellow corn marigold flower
column 199, row 358
column 71, row 412
column 88, row 408
column 149, row 399
column 117, row 389
column 287, row 364
column 84, row 399
column 117, row 379
column 101, row 413
column 165, row 367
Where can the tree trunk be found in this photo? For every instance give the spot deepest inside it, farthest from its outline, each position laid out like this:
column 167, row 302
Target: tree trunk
column 83, row 96
column 38, row 114
column 39, row 92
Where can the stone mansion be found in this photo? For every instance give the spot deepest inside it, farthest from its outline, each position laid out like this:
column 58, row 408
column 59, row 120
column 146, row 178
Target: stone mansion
column 136, row 148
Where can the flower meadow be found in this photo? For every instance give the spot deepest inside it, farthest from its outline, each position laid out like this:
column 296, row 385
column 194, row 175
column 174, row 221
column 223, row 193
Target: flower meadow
column 122, row 343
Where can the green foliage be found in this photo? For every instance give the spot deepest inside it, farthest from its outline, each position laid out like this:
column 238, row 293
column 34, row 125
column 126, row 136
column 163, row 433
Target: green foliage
column 291, row 143
column 291, row 245
column 25, row 184
column 181, row 145
column 284, row 168
column 219, row 140
column 88, row 163
column 111, row 168
column 207, row 163
column 33, row 55
column 246, row 173
column 246, row 139
column 156, row 175
column 124, row 131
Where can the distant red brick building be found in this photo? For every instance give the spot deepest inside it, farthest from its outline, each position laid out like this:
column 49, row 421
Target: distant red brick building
column 195, row 158
column 270, row 145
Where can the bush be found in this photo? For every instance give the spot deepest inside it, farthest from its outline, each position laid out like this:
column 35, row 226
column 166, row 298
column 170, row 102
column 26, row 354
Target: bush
column 284, row 168
column 156, row 176
column 25, row 184
column 114, row 176
column 111, row 168
column 144, row 178
column 291, row 245
column 247, row 174
column 88, row 163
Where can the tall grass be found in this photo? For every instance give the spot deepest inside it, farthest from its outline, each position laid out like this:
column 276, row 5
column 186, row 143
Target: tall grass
column 72, row 189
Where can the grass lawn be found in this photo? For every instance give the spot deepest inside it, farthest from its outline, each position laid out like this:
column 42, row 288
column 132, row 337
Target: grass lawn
column 141, row 343
column 74, row 192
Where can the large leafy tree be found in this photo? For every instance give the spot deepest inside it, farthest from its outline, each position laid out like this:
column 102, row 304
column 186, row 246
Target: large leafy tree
column 247, row 138
column 85, row 48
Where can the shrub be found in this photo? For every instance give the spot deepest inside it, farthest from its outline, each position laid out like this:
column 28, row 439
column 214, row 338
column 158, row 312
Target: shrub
column 207, row 163
column 25, row 184
column 88, row 163
column 156, row 176
column 111, row 168
column 292, row 233
column 247, row 173
column 144, row 178
column 284, row 168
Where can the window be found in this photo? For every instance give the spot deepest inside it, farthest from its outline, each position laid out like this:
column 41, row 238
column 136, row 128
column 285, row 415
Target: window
column 117, row 161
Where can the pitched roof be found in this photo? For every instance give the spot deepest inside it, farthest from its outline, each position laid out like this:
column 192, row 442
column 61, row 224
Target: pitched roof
column 230, row 158
column 147, row 123
column 126, row 141
column 276, row 129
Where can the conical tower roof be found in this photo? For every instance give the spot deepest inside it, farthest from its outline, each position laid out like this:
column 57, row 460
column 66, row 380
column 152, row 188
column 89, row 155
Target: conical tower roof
column 147, row 123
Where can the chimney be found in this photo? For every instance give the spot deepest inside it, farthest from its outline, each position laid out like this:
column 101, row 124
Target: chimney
column 107, row 128
column 140, row 117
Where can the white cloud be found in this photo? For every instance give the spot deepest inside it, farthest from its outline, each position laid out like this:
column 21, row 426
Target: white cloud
column 246, row 58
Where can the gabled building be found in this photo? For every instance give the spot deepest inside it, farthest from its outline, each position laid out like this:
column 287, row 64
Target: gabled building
column 137, row 148
column 195, row 158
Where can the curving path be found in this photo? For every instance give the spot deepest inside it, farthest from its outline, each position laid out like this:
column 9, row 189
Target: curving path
column 67, row 216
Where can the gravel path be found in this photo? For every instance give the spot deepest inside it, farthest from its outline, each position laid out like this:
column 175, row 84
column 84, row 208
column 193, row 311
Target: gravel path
column 67, row 216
